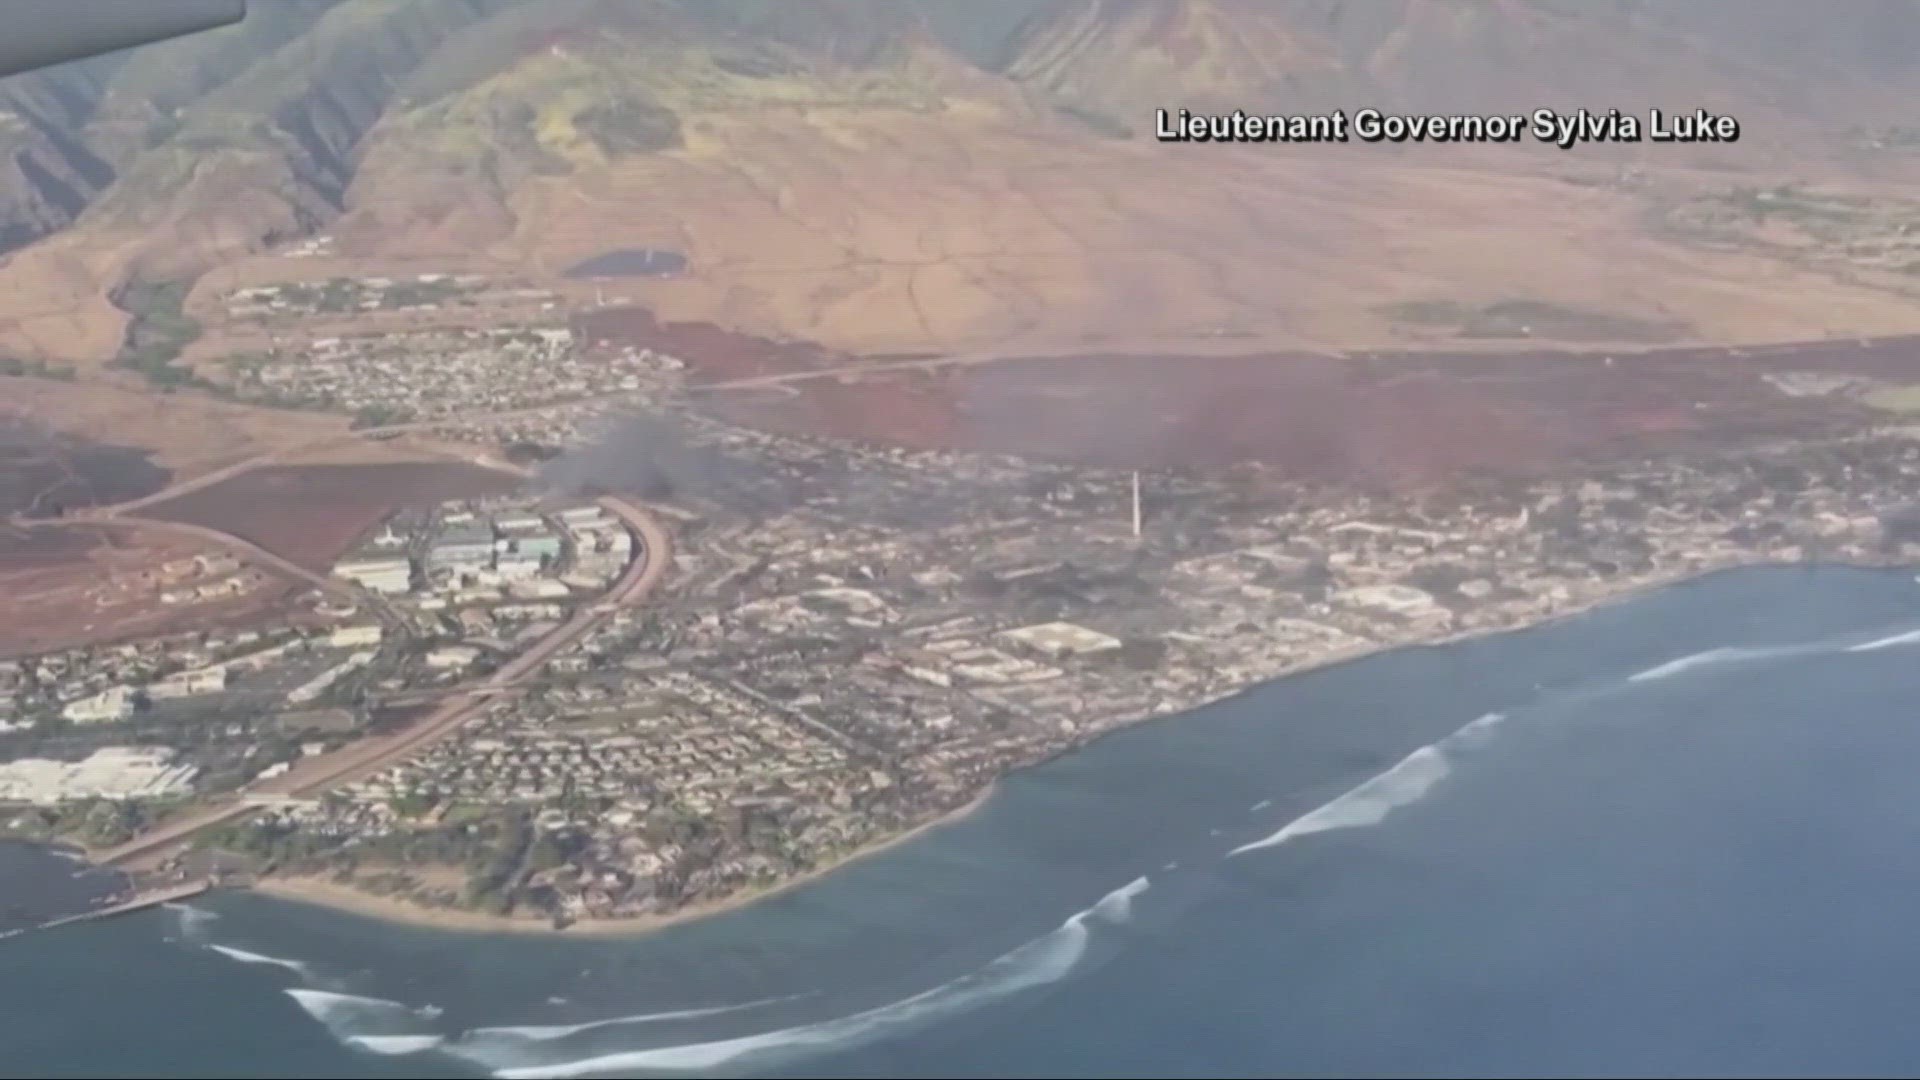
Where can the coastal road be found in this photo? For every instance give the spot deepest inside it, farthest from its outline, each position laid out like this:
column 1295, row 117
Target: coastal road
column 313, row 776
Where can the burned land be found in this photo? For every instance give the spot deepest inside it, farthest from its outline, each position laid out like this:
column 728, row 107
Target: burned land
column 44, row 472
column 310, row 514
column 1381, row 419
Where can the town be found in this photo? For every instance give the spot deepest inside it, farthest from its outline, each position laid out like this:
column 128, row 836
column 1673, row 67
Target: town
column 851, row 641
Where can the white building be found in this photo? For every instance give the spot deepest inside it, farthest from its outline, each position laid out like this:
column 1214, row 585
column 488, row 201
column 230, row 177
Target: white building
column 352, row 637
column 453, row 656
column 113, row 703
column 1399, row 599
column 206, row 680
column 387, row 574
column 111, row 772
column 319, row 684
column 1062, row 639
column 518, row 566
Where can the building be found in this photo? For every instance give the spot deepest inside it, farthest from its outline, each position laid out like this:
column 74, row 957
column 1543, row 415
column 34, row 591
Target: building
column 1062, row 639
column 311, row 721
column 387, row 574
column 206, row 680
column 107, row 706
column 1397, row 599
column 518, row 565
column 519, row 521
column 461, row 547
column 583, row 516
column 111, row 772
column 353, row 637
column 540, row 544
column 452, row 656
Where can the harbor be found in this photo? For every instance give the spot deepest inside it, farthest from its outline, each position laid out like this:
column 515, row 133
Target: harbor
column 139, row 901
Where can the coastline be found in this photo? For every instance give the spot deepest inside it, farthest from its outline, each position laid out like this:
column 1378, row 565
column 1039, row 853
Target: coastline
column 318, row 891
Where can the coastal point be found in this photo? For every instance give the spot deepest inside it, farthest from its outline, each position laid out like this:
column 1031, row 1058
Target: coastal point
column 697, row 645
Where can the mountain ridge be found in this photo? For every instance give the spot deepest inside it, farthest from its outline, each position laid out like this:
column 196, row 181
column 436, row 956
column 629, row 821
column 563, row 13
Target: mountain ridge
column 865, row 139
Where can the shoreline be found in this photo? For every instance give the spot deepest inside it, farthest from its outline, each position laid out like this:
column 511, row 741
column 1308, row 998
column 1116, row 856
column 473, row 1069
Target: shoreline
column 323, row 892
column 319, row 891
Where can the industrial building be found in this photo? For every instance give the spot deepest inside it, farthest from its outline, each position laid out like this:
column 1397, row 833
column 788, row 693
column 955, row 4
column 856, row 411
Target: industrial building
column 466, row 546
column 387, row 574
column 518, row 565
column 540, row 544
column 206, row 680
column 1062, row 639
column 111, row 772
column 582, row 516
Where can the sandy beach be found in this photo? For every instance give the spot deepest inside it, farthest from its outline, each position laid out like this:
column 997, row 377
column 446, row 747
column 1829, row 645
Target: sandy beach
column 325, row 892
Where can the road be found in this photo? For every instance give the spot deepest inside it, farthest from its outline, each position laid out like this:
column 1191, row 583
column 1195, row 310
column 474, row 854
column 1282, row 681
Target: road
column 315, row 775
column 328, row 442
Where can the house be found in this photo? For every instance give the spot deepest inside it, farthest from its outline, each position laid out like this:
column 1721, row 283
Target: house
column 113, row 703
column 453, row 656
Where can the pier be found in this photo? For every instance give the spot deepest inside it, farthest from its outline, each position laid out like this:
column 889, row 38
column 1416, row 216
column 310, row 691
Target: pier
column 137, row 902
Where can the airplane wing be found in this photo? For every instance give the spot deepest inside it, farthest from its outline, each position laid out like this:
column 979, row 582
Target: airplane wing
column 41, row 33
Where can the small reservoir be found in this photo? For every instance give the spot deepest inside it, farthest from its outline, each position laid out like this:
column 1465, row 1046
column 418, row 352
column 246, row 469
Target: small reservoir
column 630, row 262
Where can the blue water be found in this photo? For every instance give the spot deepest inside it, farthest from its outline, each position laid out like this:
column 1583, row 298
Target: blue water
column 1679, row 835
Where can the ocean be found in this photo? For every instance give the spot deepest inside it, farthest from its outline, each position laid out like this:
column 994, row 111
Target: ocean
column 1675, row 835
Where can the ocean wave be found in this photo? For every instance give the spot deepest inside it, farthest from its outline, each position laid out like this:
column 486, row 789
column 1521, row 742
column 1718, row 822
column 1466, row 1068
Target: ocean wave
column 1731, row 655
column 193, row 920
column 395, row 1044
column 1697, row 660
column 1367, row 804
column 1045, row 959
column 547, row 1032
column 296, row 966
column 350, row 1016
column 1909, row 637
column 1477, row 731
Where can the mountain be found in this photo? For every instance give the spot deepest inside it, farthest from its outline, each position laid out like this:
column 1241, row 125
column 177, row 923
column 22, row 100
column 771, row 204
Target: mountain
column 951, row 174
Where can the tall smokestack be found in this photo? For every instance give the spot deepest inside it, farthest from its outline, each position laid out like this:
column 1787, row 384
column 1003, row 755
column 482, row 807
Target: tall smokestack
column 1136, row 503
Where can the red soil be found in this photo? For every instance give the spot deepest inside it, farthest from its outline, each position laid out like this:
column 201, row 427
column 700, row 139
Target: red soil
column 311, row 514
column 1375, row 419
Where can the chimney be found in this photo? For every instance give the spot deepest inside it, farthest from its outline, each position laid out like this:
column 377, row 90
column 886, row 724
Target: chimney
column 1136, row 503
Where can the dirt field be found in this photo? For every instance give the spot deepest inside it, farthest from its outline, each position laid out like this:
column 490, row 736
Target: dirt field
column 310, row 514
column 721, row 354
column 188, row 433
column 71, row 587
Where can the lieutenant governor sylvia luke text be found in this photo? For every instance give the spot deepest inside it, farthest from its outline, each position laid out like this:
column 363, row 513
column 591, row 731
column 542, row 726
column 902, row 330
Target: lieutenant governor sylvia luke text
column 1564, row 130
